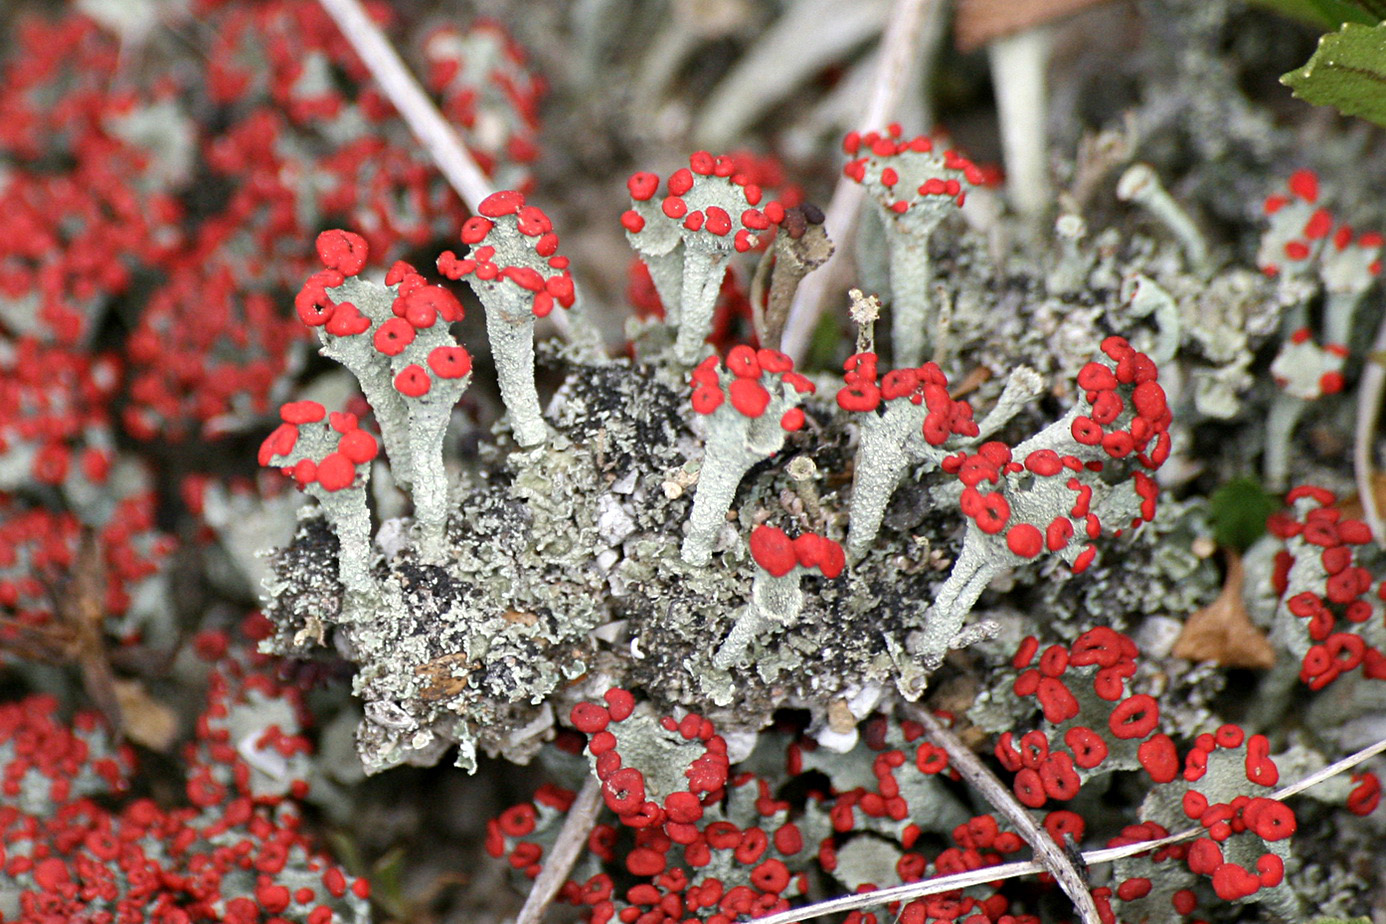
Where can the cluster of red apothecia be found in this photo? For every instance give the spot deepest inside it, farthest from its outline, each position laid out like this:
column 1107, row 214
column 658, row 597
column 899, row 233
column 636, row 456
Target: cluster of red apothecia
column 1338, row 601
column 1086, row 725
column 41, row 550
column 1223, row 782
column 864, row 393
column 732, row 318
column 1125, row 386
column 755, row 373
column 126, row 215
column 232, row 854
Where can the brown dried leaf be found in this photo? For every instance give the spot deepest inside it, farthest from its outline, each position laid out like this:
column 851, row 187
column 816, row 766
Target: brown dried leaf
column 970, row 382
column 147, row 721
column 1352, row 506
column 1222, row 631
column 444, row 677
column 840, row 717
column 520, row 617
column 980, row 21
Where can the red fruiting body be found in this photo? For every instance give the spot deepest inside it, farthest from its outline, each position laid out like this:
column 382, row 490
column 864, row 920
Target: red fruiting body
column 815, row 551
column 859, row 398
column 475, row 229
column 642, row 186
column 450, row 362
column 749, row 397
column 1088, row 748
column 412, row 381
column 1024, row 540
column 1158, row 756
column 1135, row 717
column 773, row 550
column 620, row 703
column 1305, row 184
column 742, row 362
column 1366, row 795
column 347, row 321
column 393, row 336
column 358, row 446
column 342, row 251
column 336, row 472
column 280, row 442
column 301, row 412
column 500, row 204
column 706, row 399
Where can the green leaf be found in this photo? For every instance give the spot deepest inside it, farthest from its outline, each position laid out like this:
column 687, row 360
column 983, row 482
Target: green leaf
column 1326, row 14
column 1238, row 511
column 387, row 883
column 1376, row 8
column 1348, row 72
column 824, row 342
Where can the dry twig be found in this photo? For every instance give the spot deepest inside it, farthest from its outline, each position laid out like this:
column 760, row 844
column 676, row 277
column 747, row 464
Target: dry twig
column 582, row 817
column 900, row 47
column 1368, row 413
column 76, row 633
column 423, row 118
column 939, row 884
column 1004, row 801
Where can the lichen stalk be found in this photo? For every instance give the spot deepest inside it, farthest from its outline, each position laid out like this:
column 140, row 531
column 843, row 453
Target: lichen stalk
column 775, row 602
column 329, row 456
column 776, row 597
column 748, row 406
column 1069, row 273
column 912, row 315
column 728, row 454
column 1018, row 66
column 702, row 280
column 1141, row 185
column 350, row 519
column 1084, row 474
column 512, row 345
column 515, row 269
column 430, row 488
column 1340, row 309
column 1285, row 413
column 915, row 187
column 372, row 374
column 710, row 209
column 887, row 446
column 1147, row 298
column 920, row 417
column 1022, row 386
column 972, row 572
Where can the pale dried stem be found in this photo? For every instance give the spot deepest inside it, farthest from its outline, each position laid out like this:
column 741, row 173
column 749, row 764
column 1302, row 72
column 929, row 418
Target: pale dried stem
column 900, row 48
column 1019, row 64
column 582, row 818
column 443, row 145
column 980, row 777
column 423, row 118
column 1368, row 414
column 940, row 884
